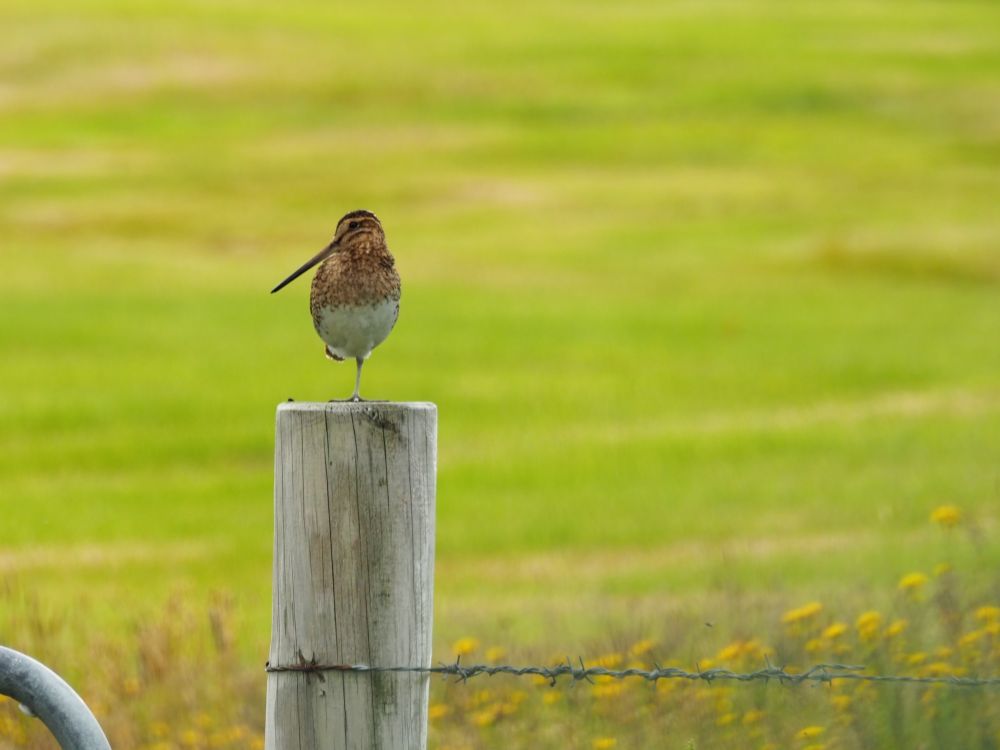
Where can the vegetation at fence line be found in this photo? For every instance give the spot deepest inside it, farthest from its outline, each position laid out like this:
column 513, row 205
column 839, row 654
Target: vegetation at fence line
column 177, row 683
column 173, row 682
column 706, row 293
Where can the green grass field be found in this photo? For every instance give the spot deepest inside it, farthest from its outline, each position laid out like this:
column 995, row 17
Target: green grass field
column 708, row 294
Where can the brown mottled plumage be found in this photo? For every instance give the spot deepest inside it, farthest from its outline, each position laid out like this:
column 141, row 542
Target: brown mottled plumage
column 355, row 293
column 361, row 272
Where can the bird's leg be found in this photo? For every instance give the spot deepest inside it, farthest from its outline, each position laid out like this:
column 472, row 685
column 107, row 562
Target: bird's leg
column 357, row 381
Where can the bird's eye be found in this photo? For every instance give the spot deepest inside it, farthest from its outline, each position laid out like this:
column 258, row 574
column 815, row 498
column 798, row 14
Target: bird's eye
column 353, row 225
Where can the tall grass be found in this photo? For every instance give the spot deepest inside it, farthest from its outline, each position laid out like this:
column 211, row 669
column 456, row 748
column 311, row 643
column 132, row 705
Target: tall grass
column 177, row 681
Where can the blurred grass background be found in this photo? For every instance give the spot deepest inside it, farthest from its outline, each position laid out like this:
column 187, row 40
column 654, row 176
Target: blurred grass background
column 706, row 292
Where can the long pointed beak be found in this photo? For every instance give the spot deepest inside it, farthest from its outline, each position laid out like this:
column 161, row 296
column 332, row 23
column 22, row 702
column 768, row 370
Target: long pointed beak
column 322, row 255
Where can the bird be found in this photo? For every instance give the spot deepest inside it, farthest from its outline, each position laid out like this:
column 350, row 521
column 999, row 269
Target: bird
column 354, row 299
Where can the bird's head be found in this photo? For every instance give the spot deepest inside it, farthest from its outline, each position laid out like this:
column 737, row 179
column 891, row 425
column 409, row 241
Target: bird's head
column 354, row 228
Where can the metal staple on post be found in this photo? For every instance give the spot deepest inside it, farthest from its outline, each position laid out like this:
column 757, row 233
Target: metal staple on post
column 46, row 695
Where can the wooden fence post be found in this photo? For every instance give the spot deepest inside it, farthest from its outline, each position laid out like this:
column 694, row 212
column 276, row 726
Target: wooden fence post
column 354, row 495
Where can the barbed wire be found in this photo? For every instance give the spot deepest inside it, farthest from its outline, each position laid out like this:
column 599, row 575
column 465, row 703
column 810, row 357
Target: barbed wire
column 819, row 673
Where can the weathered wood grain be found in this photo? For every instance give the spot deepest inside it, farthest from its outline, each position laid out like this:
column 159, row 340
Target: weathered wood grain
column 353, row 573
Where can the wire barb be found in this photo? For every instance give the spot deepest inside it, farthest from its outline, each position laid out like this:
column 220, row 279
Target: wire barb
column 819, row 673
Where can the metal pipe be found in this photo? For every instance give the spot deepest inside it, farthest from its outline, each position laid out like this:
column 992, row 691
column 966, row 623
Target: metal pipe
column 46, row 695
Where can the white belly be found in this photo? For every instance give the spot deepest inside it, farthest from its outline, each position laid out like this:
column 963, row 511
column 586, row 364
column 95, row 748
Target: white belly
column 353, row 331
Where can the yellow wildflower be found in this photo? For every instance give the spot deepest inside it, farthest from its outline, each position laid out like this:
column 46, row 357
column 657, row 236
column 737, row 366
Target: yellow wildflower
column 841, row 702
column 725, row 719
column 970, row 639
column 438, row 711
column 551, row 697
column 604, row 743
column 988, row 613
column 810, row 733
column 800, row 614
column 835, row 630
column 464, row 646
column 918, row 657
column 868, row 624
column 495, row 654
column 946, row 515
column 642, row 647
column 896, row 628
column 731, row 652
column 751, row 717
column 486, row 717
column 814, row 645
column 609, row 661
column 912, row 582
column 609, row 690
